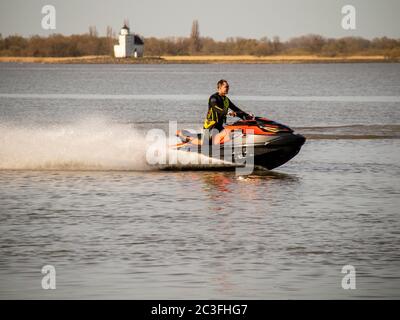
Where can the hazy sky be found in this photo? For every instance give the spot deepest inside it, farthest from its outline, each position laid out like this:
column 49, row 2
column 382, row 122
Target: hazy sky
column 218, row 19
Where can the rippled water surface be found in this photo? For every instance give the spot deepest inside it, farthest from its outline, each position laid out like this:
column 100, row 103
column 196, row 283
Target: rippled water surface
column 76, row 193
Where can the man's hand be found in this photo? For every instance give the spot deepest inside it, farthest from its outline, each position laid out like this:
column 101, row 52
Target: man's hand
column 250, row 116
column 232, row 114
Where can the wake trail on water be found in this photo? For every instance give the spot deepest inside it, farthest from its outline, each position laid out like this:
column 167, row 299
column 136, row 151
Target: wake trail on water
column 91, row 144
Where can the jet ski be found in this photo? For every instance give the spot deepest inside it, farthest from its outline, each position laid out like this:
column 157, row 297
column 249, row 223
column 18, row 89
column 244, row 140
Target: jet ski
column 266, row 143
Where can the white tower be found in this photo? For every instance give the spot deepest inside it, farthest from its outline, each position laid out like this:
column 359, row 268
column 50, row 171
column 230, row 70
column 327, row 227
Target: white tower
column 129, row 44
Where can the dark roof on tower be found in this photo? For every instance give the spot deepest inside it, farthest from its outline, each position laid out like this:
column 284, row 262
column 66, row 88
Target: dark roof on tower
column 138, row 40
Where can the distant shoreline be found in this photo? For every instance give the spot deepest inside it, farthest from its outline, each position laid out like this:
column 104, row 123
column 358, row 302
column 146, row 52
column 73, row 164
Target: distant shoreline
column 199, row 59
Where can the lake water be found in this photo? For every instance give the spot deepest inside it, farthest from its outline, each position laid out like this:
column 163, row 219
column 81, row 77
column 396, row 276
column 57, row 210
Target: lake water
column 76, row 193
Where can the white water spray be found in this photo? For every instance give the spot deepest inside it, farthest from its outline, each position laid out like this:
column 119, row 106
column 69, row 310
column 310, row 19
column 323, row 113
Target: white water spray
column 92, row 144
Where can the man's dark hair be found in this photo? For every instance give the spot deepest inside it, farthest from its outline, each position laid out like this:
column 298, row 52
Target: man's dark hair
column 221, row 82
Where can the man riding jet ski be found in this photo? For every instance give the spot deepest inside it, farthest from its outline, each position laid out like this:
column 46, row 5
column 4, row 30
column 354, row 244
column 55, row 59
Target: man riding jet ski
column 218, row 106
column 268, row 143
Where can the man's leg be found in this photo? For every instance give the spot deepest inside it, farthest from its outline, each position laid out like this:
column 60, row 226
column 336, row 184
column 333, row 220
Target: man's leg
column 209, row 142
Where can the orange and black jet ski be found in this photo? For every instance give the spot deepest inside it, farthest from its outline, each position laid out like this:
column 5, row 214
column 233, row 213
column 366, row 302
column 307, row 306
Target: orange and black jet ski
column 269, row 143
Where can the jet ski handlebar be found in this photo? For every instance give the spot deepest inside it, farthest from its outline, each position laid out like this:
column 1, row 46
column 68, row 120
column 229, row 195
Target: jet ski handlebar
column 249, row 116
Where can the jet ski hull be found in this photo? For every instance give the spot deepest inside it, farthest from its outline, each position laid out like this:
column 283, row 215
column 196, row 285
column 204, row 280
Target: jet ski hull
column 268, row 149
column 278, row 151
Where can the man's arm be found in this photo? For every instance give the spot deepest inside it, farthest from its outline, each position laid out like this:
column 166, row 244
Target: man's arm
column 239, row 112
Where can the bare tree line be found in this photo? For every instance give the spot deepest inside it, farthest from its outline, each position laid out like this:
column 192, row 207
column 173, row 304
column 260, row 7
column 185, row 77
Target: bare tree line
column 91, row 43
column 58, row 45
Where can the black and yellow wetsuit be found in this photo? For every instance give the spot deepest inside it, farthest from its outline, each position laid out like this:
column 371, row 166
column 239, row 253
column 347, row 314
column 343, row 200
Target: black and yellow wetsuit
column 218, row 107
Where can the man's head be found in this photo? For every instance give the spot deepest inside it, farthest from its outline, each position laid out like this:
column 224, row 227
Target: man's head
column 222, row 87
